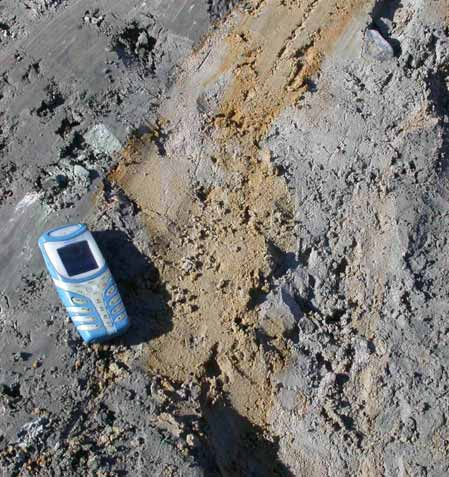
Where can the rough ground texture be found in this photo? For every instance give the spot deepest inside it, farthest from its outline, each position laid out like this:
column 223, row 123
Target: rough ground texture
column 276, row 222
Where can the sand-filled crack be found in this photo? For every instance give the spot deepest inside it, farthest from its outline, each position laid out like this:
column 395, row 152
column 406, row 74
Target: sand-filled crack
column 216, row 260
column 218, row 210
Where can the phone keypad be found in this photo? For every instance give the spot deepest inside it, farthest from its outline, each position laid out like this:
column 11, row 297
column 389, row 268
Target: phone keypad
column 97, row 304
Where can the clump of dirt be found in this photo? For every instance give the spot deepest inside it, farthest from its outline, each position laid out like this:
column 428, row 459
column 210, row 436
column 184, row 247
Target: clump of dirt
column 219, row 243
column 134, row 42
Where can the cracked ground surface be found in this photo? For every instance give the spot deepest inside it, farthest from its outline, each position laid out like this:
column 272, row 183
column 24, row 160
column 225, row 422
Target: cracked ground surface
column 271, row 195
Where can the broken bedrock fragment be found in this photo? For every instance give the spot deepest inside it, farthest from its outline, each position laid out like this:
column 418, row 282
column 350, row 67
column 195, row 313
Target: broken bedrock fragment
column 102, row 141
column 281, row 309
column 377, row 47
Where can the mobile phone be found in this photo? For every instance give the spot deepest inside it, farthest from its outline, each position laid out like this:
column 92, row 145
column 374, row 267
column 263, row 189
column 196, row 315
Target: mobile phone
column 84, row 282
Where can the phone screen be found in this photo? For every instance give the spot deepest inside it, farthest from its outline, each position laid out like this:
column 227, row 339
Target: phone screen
column 77, row 258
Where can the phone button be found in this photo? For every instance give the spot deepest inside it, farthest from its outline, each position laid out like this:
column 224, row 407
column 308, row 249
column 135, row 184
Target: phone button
column 114, row 300
column 78, row 309
column 78, row 301
column 118, row 309
column 83, row 319
column 111, row 290
column 88, row 327
column 120, row 317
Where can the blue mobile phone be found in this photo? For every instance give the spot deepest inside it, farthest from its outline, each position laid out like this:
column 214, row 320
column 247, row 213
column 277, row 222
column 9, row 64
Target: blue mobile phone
column 84, row 283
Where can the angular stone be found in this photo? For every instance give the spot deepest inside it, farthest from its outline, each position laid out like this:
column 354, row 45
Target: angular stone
column 102, row 141
column 377, row 47
column 280, row 312
column 80, row 171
